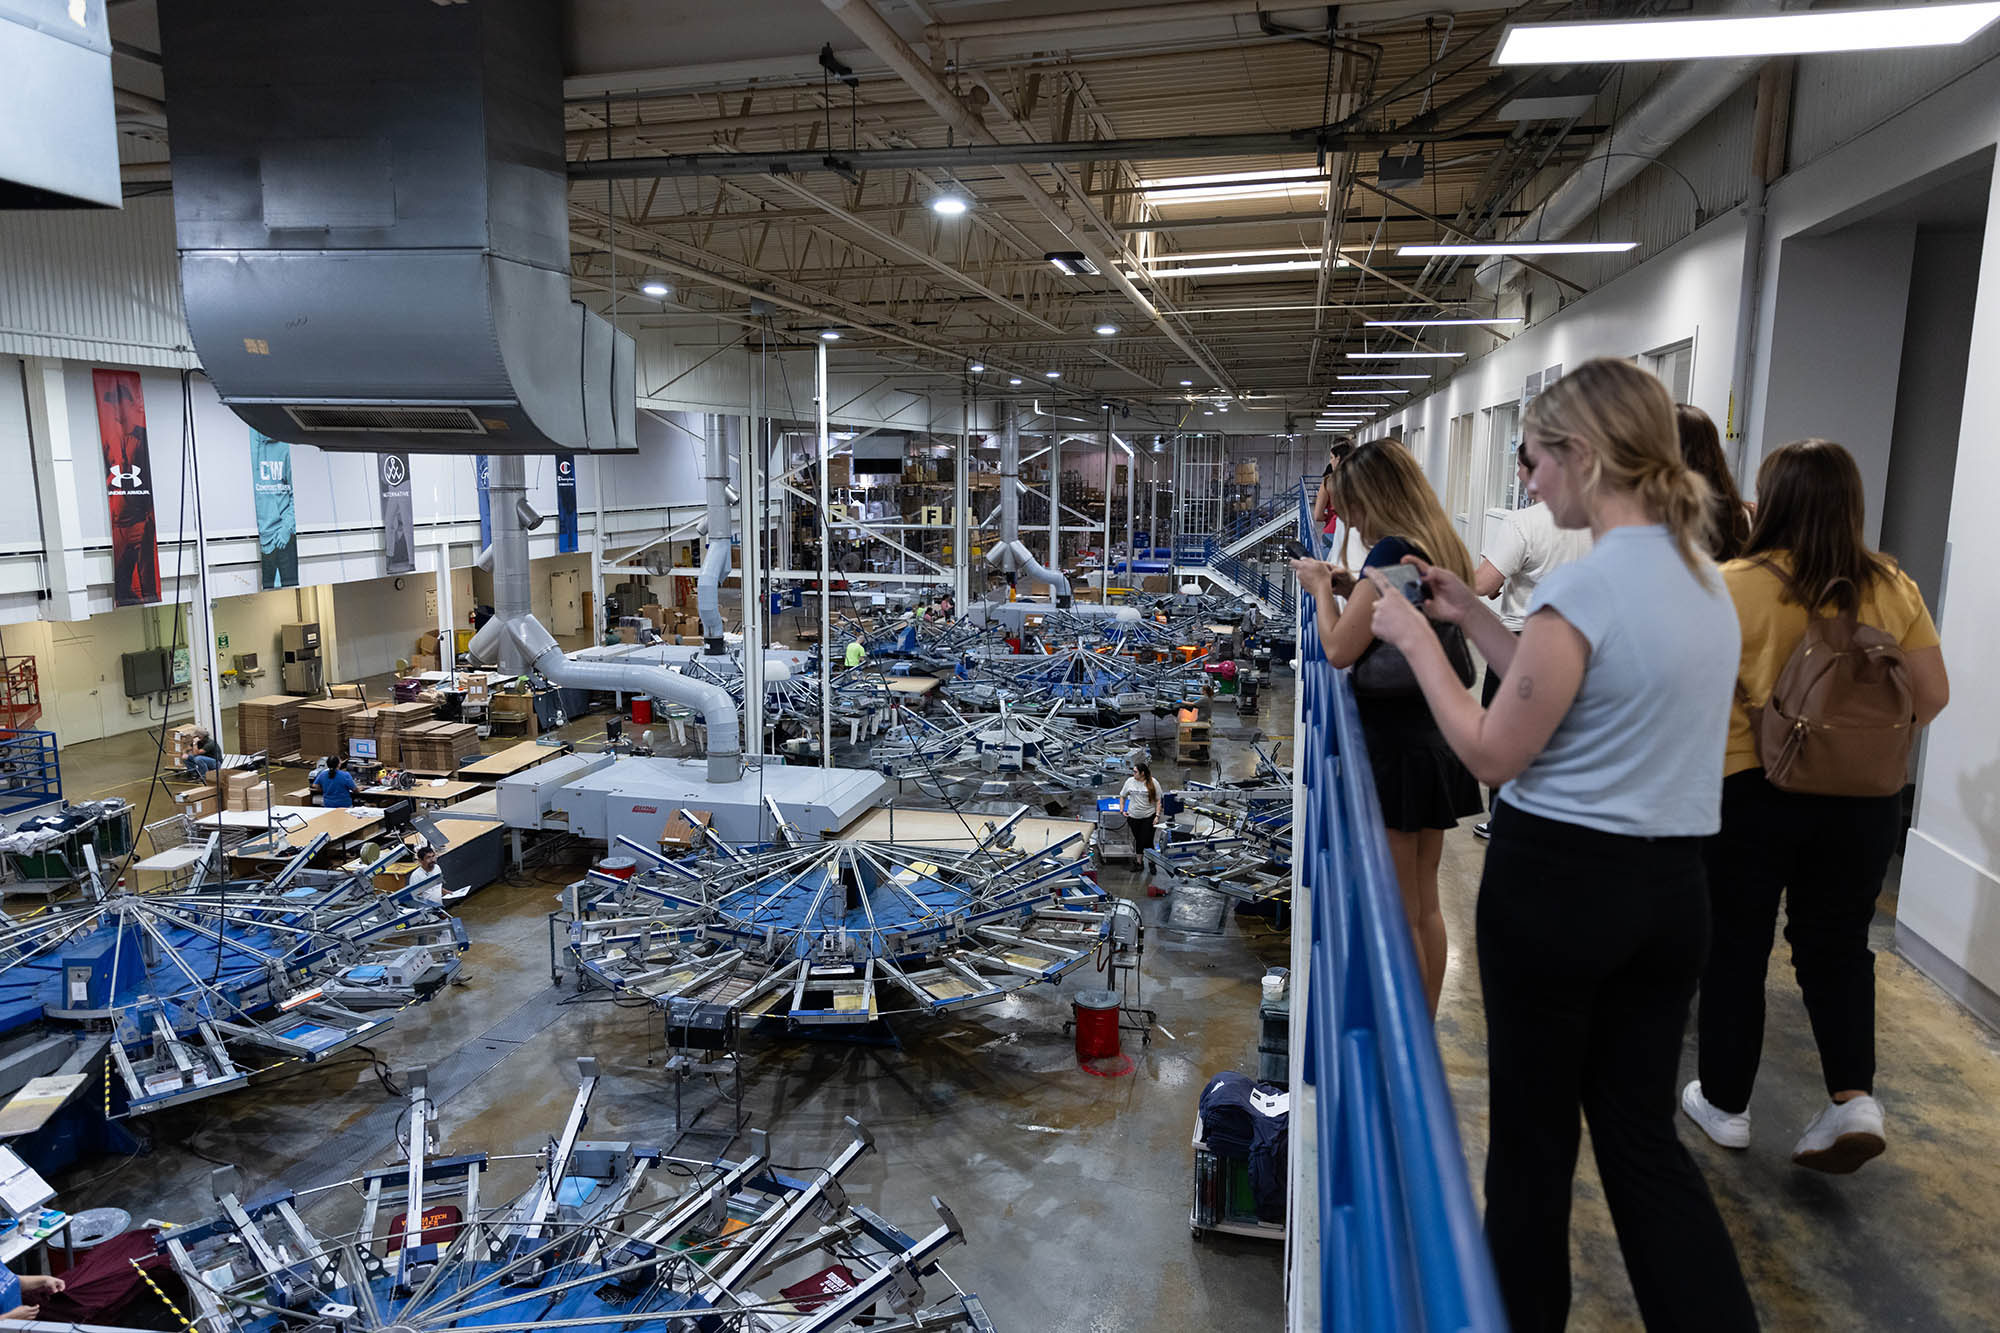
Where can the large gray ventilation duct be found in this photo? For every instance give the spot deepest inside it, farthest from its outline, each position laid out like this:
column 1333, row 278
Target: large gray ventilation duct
column 373, row 224
column 719, row 434
column 1009, row 553
column 60, row 149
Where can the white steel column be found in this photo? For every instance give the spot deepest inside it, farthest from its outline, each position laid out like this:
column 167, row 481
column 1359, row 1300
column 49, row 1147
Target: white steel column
column 446, row 626
column 961, row 500
column 1131, row 485
column 825, row 567
column 752, row 528
column 54, row 451
column 1055, row 507
column 1104, row 555
column 597, row 548
column 205, row 678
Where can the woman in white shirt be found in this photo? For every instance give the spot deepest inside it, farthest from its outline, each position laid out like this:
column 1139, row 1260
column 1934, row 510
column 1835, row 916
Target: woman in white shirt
column 1141, row 803
column 1593, row 908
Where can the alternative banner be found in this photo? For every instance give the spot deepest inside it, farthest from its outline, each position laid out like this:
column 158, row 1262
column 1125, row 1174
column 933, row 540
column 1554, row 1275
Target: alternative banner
column 277, row 512
column 484, row 464
column 566, row 503
column 135, row 534
column 399, row 524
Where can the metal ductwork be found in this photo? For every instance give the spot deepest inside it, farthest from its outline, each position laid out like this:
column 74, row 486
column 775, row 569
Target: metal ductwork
column 373, row 223
column 1674, row 105
column 1008, row 553
column 720, row 433
column 507, row 494
column 61, row 145
column 538, row 647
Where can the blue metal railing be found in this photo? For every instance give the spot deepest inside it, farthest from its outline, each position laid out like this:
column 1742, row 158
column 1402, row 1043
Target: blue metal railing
column 1400, row 1245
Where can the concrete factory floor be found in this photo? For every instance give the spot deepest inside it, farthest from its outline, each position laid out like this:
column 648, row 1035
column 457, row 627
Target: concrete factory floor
column 1073, row 1188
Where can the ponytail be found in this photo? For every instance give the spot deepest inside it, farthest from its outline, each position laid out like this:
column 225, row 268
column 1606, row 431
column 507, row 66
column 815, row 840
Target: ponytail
column 1680, row 498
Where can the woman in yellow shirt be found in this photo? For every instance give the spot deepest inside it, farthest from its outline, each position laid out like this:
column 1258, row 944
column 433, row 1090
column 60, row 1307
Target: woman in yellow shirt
column 1825, row 855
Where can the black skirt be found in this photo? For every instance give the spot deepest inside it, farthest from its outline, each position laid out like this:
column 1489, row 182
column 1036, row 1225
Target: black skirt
column 1420, row 782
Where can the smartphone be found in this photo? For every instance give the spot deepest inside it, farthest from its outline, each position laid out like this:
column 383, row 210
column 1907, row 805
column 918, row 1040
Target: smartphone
column 1407, row 580
column 1296, row 549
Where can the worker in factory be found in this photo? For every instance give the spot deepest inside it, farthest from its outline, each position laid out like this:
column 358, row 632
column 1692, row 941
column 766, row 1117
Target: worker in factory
column 16, row 1293
column 336, row 785
column 205, row 758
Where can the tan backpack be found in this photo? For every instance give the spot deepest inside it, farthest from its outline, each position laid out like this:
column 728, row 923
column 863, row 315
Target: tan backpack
column 1841, row 717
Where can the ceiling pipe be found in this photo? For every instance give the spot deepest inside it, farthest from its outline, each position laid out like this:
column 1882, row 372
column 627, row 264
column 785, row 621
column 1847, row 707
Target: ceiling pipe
column 1669, row 109
column 875, row 32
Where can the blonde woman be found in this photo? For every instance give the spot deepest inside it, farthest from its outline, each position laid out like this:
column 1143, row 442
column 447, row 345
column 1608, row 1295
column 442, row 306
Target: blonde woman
column 1593, row 909
column 1381, row 491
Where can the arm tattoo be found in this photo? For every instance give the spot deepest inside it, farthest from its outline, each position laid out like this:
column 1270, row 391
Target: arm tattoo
column 1526, row 689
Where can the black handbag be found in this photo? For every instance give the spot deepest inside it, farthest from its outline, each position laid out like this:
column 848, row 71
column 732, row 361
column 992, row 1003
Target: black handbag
column 1384, row 673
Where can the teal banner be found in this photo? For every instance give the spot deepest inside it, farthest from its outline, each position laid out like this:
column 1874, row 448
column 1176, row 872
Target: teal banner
column 277, row 516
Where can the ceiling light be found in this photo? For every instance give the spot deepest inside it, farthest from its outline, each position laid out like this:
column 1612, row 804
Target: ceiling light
column 1277, row 252
column 829, row 335
column 1814, row 33
column 1361, row 393
column 1426, row 323
column 1280, row 184
column 1106, row 328
column 1208, row 411
column 1052, row 374
column 949, row 205
column 1273, row 266
column 1397, row 356
column 1072, row 263
column 1187, row 383
column 1381, row 377
column 655, row 287
column 977, row 367
column 1014, row 380
column 1521, row 248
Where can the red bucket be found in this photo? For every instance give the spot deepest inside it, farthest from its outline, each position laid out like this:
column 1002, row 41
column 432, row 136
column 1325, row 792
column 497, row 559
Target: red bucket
column 642, row 710
column 1096, row 1024
column 618, row 867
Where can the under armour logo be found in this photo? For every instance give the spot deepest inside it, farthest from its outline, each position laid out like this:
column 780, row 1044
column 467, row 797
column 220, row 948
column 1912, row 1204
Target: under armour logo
column 123, row 477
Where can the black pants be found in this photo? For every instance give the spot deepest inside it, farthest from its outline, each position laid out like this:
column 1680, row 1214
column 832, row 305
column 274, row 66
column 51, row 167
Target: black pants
column 1826, row 856
column 1589, row 947
column 1487, row 690
column 1142, row 832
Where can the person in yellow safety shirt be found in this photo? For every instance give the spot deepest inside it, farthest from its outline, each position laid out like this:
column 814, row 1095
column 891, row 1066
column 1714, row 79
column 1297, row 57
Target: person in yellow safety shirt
column 855, row 652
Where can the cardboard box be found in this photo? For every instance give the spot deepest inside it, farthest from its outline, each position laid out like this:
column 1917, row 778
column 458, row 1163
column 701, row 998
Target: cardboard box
column 422, row 662
column 1246, row 473
column 196, row 802
column 628, row 634
column 241, row 778
column 657, row 614
column 427, row 643
column 679, row 834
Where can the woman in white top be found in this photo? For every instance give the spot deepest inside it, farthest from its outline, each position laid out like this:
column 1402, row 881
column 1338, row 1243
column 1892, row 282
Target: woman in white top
column 1593, row 908
column 1141, row 802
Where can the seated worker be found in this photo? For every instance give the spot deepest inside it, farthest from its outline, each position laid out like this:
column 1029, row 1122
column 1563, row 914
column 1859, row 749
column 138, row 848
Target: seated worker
column 206, row 757
column 17, row 1292
column 427, row 879
column 336, row 785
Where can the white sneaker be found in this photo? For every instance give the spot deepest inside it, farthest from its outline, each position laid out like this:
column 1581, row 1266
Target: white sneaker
column 1841, row 1137
column 1728, row 1131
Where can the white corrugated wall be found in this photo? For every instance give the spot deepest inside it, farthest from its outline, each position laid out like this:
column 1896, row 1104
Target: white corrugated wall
column 91, row 285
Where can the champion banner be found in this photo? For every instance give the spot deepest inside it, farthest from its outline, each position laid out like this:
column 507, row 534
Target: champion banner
column 135, row 534
column 399, row 524
column 484, row 464
column 566, row 503
column 277, row 512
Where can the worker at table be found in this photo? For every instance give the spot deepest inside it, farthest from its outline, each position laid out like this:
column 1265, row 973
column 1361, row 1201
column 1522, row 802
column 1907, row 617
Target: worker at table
column 16, row 1292
column 336, row 785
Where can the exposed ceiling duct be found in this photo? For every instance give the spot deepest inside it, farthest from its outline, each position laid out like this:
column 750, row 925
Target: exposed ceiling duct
column 61, row 145
column 374, row 237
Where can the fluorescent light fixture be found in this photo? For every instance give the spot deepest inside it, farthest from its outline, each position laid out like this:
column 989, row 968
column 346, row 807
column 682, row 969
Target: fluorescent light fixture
column 1426, row 323
column 1811, row 33
column 1381, row 377
column 1197, row 256
column 1270, row 266
column 1399, row 356
column 1186, row 384
column 949, row 205
column 1284, row 183
column 1106, row 328
column 1052, row 374
column 829, row 335
column 1208, row 411
column 1522, row 248
column 655, row 287
column 1362, row 393
column 1016, row 379
column 1072, row 263
column 977, row 367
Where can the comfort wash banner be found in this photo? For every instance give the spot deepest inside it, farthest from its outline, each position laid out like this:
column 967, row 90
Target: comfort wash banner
column 566, row 503
column 128, row 485
column 399, row 524
column 277, row 512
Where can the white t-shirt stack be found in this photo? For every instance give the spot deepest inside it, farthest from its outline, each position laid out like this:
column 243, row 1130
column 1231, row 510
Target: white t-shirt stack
column 1139, row 803
column 1526, row 549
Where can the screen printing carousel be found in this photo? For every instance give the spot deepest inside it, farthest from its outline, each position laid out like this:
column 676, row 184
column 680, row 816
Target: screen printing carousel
column 200, row 988
column 607, row 1236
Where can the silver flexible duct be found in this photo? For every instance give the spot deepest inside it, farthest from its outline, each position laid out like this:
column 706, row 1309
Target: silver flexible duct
column 713, row 702
column 507, row 492
column 1008, row 553
column 716, row 527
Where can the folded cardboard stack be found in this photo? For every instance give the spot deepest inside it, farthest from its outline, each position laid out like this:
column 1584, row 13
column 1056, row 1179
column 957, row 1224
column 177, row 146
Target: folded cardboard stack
column 357, row 727
column 243, row 790
column 269, row 725
column 438, row 747
column 322, row 726
column 390, row 724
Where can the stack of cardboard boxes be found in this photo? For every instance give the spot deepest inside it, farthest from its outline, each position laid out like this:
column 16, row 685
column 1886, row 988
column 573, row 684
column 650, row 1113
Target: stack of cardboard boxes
column 391, row 722
column 323, row 726
column 438, row 747
column 269, row 725
column 244, row 789
column 425, row 658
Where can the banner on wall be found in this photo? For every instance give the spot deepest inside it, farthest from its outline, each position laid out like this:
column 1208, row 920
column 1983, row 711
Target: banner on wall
column 566, row 503
column 484, row 465
column 399, row 523
column 135, row 534
column 277, row 512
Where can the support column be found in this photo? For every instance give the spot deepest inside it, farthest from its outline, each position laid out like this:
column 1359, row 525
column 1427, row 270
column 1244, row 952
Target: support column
column 825, row 566
column 1104, row 553
column 597, row 548
column 750, row 444
column 54, row 450
column 507, row 491
column 961, row 501
column 1131, row 485
column 1055, row 509
column 447, row 645
column 205, row 678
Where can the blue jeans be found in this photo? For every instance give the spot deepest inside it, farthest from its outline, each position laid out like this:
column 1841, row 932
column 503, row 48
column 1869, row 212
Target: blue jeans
column 199, row 766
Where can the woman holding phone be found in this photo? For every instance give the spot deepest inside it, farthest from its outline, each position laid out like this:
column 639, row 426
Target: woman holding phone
column 1593, row 908
column 1424, row 790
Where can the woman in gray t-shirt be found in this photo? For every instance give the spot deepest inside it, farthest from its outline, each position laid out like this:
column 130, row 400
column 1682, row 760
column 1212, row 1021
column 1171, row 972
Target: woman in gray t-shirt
column 1593, row 909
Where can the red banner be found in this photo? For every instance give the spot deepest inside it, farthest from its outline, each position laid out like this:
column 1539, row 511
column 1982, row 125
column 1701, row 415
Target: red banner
column 135, row 535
